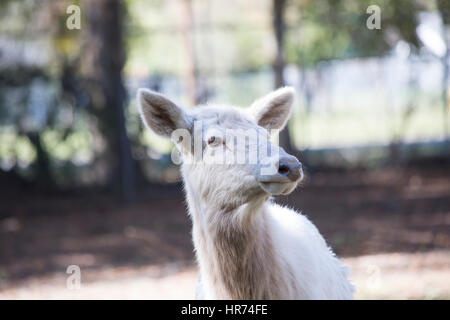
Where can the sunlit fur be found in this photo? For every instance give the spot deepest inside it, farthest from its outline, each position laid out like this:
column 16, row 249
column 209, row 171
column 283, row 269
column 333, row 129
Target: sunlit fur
column 247, row 247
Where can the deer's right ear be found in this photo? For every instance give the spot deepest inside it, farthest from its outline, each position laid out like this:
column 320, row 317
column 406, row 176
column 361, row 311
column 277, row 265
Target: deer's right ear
column 160, row 114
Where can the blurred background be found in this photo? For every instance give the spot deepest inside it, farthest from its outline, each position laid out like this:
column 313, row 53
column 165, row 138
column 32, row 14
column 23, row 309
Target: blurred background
column 84, row 183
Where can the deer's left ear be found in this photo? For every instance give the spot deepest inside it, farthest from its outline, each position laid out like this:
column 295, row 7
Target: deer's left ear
column 273, row 110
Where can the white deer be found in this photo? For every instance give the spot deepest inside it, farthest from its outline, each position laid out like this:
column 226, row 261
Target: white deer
column 247, row 247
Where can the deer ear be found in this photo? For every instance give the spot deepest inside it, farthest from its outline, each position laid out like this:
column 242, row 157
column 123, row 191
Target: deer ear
column 273, row 110
column 160, row 114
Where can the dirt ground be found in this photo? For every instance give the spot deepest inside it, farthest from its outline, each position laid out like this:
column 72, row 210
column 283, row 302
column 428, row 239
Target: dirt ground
column 390, row 226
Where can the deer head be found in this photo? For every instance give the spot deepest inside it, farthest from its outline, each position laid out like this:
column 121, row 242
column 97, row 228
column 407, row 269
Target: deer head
column 228, row 158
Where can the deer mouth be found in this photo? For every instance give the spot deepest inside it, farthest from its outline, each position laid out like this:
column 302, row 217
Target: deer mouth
column 278, row 188
column 280, row 183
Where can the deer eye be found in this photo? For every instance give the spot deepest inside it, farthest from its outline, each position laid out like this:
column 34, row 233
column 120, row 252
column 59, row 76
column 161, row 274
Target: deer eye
column 211, row 140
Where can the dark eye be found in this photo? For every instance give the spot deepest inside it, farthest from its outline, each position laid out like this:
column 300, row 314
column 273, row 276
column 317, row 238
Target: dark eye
column 211, row 140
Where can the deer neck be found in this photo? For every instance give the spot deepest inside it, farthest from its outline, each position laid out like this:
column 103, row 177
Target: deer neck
column 234, row 249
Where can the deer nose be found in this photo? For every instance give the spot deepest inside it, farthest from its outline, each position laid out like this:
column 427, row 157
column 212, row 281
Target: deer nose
column 290, row 167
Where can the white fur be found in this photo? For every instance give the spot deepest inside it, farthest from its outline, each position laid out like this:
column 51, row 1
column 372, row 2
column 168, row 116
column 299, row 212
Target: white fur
column 247, row 247
column 318, row 273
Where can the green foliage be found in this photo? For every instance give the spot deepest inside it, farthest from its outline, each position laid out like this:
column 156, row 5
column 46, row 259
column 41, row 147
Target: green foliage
column 234, row 51
column 336, row 29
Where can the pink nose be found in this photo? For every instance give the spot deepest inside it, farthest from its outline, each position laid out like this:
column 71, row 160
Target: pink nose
column 290, row 167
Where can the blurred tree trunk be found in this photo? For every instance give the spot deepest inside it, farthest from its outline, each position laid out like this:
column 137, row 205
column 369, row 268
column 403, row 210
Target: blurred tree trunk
column 279, row 28
column 106, row 49
column 191, row 71
column 444, row 9
column 44, row 178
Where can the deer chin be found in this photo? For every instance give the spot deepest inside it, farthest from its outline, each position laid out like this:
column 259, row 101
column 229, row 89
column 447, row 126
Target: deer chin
column 278, row 188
